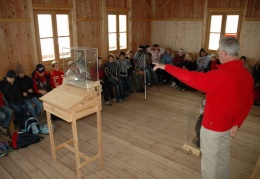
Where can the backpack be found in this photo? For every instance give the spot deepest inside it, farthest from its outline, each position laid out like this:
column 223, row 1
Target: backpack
column 30, row 125
column 22, row 139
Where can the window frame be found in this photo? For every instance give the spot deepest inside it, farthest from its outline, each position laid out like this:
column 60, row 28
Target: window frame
column 223, row 25
column 117, row 31
column 55, row 37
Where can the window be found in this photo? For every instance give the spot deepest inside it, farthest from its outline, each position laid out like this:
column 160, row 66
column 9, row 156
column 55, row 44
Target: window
column 53, row 33
column 221, row 25
column 117, row 31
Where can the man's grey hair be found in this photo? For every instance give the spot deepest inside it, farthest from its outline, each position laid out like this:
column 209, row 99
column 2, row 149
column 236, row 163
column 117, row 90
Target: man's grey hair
column 230, row 45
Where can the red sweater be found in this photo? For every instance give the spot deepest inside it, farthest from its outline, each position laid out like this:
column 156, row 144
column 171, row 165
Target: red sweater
column 56, row 78
column 229, row 93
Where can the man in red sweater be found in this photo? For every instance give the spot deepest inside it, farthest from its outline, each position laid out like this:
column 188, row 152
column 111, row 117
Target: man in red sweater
column 229, row 96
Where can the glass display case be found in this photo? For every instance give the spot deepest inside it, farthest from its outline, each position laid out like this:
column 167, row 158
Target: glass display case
column 80, row 65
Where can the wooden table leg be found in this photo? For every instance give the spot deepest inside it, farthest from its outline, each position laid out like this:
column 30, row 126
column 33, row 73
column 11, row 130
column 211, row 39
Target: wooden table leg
column 99, row 131
column 53, row 150
column 76, row 147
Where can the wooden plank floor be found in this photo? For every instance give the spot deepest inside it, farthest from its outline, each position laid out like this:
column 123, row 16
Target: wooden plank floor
column 141, row 139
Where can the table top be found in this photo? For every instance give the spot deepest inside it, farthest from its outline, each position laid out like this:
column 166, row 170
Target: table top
column 66, row 96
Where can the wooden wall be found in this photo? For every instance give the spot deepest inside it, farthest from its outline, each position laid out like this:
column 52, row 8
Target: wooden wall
column 89, row 17
column 170, row 23
column 16, row 43
column 180, row 24
column 178, row 34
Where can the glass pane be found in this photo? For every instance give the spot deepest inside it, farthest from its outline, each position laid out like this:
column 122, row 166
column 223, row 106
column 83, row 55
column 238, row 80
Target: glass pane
column 47, row 49
column 63, row 42
column 123, row 40
column 231, row 24
column 122, row 23
column 112, row 41
column 63, row 24
column 215, row 25
column 214, row 41
column 111, row 23
column 45, row 25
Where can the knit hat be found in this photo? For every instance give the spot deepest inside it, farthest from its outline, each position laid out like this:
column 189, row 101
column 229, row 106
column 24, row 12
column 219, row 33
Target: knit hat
column 40, row 68
column 10, row 74
column 19, row 69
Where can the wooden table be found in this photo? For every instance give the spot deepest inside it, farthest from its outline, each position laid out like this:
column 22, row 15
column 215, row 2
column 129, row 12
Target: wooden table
column 71, row 103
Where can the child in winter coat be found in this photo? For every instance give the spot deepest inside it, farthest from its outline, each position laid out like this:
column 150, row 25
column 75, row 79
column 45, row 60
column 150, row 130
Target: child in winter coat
column 11, row 90
column 26, row 87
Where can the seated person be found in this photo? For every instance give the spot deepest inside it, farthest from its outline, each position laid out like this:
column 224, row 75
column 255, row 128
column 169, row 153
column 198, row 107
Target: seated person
column 167, row 58
column 178, row 62
column 106, row 87
column 133, row 76
column 214, row 62
column 72, row 69
column 5, row 115
column 141, row 58
column 124, row 81
column 112, row 74
column 156, row 51
column 41, row 81
column 56, row 76
column 246, row 65
column 189, row 63
column 203, row 61
column 29, row 97
column 11, row 90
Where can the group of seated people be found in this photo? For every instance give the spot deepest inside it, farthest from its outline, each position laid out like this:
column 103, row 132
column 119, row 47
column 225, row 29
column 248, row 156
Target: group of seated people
column 119, row 77
column 20, row 93
column 125, row 73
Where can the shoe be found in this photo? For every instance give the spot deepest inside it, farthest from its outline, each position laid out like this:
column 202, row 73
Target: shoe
column 173, row 84
column 4, row 131
column 179, row 89
column 182, row 89
column 125, row 98
column 108, row 103
column 114, row 99
column 119, row 100
column 148, row 84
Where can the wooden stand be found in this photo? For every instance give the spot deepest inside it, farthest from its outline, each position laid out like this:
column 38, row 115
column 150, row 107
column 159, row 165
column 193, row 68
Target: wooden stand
column 191, row 150
column 71, row 103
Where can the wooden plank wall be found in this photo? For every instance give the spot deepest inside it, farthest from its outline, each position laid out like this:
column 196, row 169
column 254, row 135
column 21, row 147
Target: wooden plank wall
column 171, row 23
column 88, row 16
column 15, row 35
column 180, row 24
column 141, row 23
